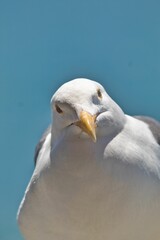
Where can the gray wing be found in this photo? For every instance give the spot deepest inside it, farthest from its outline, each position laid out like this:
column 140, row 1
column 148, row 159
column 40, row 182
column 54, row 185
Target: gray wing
column 154, row 126
column 40, row 144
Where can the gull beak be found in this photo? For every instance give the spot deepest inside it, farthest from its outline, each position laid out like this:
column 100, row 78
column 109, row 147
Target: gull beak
column 87, row 124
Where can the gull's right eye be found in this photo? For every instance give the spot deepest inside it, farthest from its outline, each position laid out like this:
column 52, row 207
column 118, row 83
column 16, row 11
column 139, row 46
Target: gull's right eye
column 99, row 93
column 58, row 109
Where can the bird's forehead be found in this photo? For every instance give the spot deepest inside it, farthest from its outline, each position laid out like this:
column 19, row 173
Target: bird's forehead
column 76, row 90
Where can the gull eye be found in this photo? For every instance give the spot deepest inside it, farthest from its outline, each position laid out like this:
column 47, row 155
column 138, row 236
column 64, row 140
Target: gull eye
column 99, row 93
column 58, row 109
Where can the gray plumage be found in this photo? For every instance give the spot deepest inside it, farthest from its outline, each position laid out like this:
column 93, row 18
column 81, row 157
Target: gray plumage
column 40, row 144
column 154, row 126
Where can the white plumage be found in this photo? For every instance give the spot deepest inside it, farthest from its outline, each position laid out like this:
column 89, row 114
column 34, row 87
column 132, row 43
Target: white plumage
column 87, row 190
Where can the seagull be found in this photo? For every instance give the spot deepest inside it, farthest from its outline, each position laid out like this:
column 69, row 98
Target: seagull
column 97, row 171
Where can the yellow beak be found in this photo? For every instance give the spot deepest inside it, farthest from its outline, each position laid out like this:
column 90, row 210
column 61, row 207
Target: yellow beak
column 87, row 124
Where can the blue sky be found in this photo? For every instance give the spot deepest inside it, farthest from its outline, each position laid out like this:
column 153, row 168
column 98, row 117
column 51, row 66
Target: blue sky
column 44, row 43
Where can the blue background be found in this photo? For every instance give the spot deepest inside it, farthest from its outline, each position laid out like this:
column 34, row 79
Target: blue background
column 44, row 43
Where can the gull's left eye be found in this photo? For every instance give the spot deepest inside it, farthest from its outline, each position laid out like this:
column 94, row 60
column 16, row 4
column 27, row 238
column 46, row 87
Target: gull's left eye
column 99, row 93
column 58, row 109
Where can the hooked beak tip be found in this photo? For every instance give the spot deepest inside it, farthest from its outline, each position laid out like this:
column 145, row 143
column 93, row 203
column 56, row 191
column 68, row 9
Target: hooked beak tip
column 94, row 139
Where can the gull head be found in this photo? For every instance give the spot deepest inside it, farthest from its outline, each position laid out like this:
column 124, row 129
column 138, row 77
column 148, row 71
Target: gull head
column 82, row 108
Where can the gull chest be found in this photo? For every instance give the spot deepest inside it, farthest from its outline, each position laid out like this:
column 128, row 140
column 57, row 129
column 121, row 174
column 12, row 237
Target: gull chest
column 85, row 196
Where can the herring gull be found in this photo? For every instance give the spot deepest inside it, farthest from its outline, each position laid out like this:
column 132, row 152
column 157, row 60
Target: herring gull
column 97, row 173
